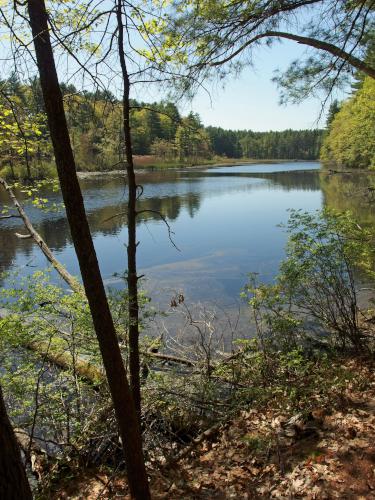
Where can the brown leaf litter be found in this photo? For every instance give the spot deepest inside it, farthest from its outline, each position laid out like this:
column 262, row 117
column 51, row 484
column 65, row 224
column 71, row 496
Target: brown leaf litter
column 266, row 453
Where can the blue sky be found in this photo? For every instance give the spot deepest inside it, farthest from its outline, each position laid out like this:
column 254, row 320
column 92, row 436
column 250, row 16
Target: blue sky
column 251, row 101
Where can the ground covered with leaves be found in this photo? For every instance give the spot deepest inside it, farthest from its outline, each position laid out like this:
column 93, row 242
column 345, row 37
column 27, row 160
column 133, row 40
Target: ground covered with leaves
column 325, row 450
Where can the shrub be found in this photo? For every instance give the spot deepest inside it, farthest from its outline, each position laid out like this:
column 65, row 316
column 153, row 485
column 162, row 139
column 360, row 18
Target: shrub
column 326, row 254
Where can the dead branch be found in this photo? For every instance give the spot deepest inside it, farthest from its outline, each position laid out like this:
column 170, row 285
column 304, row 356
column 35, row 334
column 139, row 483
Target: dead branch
column 169, row 358
column 67, row 277
column 23, row 236
column 207, row 434
column 170, row 232
column 64, row 360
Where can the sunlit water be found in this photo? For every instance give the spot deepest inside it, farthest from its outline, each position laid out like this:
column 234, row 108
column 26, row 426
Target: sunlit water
column 224, row 222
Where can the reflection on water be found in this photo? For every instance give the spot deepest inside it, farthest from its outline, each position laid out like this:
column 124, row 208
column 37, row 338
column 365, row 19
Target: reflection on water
column 354, row 192
column 224, row 222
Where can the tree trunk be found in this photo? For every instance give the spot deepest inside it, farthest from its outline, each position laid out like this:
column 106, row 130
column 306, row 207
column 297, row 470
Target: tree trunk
column 13, row 481
column 132, row 278
column 103, row 323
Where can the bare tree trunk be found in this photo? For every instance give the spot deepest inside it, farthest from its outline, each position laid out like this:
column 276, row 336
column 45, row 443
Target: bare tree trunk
column 132, row 278
column 13, row 481
column 103, row 323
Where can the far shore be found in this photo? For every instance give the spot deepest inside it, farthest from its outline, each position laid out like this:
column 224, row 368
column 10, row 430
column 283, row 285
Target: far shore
column 143, row 167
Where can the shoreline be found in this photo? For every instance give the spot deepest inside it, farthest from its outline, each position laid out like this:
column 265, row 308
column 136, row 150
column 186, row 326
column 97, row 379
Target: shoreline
column 151, row 168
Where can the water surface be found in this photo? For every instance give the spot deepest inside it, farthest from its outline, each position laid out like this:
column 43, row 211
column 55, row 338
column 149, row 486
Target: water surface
column 224, row 222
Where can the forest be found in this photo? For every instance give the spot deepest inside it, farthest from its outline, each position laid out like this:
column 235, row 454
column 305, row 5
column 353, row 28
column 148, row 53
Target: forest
column 350, row 139
column 158, row 129
column 116, row 379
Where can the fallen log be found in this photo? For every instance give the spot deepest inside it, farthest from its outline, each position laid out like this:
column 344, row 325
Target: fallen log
column 207, row 434
column 169, row 358
column 64, row 359
column 32, row 233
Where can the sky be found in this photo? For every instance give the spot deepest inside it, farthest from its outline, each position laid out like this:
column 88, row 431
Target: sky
column 251, row 101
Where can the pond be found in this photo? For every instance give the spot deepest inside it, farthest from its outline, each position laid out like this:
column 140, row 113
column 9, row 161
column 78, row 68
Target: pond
column 224, row 222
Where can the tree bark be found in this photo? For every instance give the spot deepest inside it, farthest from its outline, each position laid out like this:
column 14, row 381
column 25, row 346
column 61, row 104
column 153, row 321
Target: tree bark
column 13, row 480
column 132, row 278
column 92, row 280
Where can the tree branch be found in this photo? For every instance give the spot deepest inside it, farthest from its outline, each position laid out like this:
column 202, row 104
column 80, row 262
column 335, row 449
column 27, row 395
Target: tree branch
column 312, row 42
column 67, row 277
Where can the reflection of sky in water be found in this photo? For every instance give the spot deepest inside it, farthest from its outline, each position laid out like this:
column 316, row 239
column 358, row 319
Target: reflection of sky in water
column 267, row 167
column 224, row 225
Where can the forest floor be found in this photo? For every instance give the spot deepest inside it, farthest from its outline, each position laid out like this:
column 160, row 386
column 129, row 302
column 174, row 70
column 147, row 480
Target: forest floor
column 325, row 453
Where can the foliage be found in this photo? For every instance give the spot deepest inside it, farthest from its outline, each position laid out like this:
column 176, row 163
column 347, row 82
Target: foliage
column 94, row 121
column 52, row 368
column 316, row 287
column 22, row 136
column 95, row 127
column 50, row 323
column 216, row 38
column 350, row 141
column 287, row 144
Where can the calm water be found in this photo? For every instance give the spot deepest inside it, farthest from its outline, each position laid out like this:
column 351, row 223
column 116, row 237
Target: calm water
column 224, row 221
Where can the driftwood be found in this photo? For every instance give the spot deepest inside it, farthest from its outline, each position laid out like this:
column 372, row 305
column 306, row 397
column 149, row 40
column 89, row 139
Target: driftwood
column 64, row 359
column 34, row 453
column 32, row 233
column 169, row 358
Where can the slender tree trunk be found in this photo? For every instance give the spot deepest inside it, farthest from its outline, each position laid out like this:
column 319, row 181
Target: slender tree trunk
column 132, row 278
column 103, row 323
column 12, row 168
column 13, row 481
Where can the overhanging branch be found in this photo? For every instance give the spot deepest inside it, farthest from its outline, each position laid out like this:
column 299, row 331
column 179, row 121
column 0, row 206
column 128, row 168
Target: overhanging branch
column 312, row 42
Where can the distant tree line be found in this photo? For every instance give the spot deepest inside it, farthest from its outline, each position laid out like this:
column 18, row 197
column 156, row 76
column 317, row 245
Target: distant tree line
column 285, row 145
column 158, row 129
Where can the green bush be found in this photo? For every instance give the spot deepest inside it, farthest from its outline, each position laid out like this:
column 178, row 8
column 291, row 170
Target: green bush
column 326, row 254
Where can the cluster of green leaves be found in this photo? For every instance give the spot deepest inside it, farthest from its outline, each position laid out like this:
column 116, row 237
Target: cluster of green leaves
column 21, row 135
column 42, row 322
column 52, row 372
column 33, row 194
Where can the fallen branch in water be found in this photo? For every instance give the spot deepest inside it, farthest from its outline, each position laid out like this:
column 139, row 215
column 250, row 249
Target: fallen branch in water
column 32, row 233
column 64, row 359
